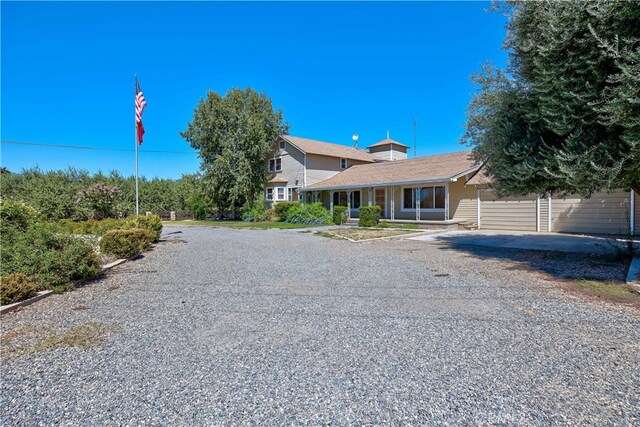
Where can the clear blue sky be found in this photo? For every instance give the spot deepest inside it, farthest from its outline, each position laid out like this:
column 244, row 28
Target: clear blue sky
column 334, row 69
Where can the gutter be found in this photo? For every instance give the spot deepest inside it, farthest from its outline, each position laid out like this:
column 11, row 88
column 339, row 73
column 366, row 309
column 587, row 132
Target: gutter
column 382, row 184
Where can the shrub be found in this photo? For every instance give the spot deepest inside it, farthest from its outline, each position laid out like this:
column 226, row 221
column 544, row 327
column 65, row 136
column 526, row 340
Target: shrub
column 151, row 223
column 255, row 213
column 51, row 258
column 369, row 216
column 384, row 224
column 126, row 243
column 16, row 287
column 197, row 206
column 16, row 215
column 309, row 213
column 340, row 215
column 282, row 209
column 99, row 200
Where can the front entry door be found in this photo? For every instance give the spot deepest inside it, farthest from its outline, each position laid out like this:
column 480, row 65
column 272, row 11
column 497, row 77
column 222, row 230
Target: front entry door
column 380, row 199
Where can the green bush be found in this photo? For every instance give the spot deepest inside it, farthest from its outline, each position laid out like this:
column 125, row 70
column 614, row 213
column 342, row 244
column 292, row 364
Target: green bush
column 255, row 213
column 126, row 243
column 282, row 209
column 197, row 206
column 384, row 224
column 309, row 213
column 90, row 226
column 53, row 259
column 151, row 223
column 340, row 215
column 369, row 216
column 16, row 215
column 16, row 287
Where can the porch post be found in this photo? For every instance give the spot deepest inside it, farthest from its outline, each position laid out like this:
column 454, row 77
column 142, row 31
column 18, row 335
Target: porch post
column 393, row 202
column 446, row 202
column 348, row 204
column 331, row 201
column 417, row 193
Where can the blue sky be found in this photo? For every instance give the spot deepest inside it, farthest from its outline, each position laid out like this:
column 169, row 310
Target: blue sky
column 334, row 68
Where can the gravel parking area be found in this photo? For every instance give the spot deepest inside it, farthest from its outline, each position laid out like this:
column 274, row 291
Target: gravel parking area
column 219, row 326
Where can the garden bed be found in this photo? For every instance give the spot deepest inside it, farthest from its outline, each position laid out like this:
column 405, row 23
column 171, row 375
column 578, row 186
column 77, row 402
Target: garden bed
column 358, row 234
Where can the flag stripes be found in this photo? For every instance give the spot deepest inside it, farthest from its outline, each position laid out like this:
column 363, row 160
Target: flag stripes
column 141, row 104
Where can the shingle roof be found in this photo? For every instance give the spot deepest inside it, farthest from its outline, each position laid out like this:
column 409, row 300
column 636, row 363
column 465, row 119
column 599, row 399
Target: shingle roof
column 440, row 167
column 277, row 180
column 479, row 178
column 387, row 142
column 311, row 146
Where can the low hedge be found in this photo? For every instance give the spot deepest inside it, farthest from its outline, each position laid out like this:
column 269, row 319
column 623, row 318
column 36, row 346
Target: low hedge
column 309, row 213
column 282, row 209
column 340, row 215
column 369, row 216
column 16, row 287
column 151, row 223
column 126, row 243
column 255, row 213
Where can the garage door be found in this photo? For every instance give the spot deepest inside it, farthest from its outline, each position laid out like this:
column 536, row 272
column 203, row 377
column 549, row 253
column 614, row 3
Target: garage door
column 507, row 213
column 606, row 213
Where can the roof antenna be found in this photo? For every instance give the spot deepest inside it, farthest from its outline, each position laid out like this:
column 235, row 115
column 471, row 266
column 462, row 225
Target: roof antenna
column 355, row 140
column 387, row 133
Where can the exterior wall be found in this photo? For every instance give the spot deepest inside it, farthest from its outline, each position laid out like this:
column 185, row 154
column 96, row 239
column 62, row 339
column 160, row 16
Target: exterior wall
column 385, row 153
column 292, row 170
column 637, row 213
column 507, row 213
column 411, row 214
column 463, row 201
column 606, row 213
column 320, row 168
column 544, row 212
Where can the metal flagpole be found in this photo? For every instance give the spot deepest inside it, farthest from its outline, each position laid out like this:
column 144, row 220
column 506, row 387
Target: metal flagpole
column 135, row 124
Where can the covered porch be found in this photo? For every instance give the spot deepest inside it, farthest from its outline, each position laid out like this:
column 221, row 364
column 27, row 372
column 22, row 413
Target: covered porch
column 424, row 203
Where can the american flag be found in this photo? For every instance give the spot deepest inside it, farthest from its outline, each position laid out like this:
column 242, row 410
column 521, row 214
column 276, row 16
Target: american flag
column 141, row 103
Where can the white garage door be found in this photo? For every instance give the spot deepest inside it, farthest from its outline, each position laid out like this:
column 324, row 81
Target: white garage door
column 507, row 213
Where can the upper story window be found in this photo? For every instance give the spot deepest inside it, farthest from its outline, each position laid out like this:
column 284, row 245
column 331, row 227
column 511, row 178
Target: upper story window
column 281, row 145
column 343, row 164
column 275, row 165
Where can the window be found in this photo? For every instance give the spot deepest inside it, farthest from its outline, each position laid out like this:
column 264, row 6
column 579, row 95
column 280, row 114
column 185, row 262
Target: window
column 281, row 145
column 343, row 164
column 290, row 194
column 279, row 193
column 275, row 165
column 340, row 199
column 269, row 193
column 430, row 198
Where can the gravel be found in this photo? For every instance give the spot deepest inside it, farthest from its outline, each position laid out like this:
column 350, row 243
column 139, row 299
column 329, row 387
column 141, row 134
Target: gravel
column 218, row 326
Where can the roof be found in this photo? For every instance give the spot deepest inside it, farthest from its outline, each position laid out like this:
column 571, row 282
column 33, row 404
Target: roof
column 387, row 142
column 277, row 180
column 479, row 178
column 438, row 168
column 311, row 146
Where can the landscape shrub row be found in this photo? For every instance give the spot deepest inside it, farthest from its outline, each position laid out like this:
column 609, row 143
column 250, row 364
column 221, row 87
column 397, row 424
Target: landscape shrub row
column 309, row 213
column 340, row 215
column 369, row 216
column 37, row 255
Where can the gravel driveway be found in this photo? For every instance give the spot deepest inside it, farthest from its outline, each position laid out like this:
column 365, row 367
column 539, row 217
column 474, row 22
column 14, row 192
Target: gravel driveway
column 272, row 327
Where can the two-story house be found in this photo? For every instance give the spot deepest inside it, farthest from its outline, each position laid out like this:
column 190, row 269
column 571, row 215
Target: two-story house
column 295, row 163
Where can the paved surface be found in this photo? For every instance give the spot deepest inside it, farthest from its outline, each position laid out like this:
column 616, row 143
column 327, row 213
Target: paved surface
column 251, row 327
column 528, row 240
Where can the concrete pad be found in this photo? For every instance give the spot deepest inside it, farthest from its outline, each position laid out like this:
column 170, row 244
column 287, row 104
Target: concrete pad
column 633, row 276
column 528, row 240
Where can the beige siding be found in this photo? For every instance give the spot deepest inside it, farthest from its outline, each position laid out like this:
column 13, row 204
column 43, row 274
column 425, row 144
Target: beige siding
column 463, row 201
column 606, row 213
column 320, row 168
column 518, row 214
column 411, row 214
column 385, row 153
column 544, row 212
column 292, row 166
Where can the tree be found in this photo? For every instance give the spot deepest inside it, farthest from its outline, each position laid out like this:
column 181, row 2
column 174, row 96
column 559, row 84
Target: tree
column 233, row 134
column 565, row 115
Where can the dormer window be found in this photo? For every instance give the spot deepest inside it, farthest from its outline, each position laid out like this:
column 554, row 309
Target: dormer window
column 275, row 165
column 343, row 164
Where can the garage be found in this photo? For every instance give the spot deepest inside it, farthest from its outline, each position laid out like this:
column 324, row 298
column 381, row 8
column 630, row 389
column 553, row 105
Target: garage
column 507, row 213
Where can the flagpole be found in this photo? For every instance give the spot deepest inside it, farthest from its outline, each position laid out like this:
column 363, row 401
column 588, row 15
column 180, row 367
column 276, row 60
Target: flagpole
column 135, row 135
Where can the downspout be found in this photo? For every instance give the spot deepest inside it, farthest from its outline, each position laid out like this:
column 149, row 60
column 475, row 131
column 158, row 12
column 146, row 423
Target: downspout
column 478, row 202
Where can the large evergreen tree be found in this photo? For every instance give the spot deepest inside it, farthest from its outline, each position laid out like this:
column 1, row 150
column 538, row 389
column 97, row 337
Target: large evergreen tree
column 565, row 115
column 233, row 134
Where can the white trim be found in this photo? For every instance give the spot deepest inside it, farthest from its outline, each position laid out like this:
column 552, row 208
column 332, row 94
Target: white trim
column 275, row 164
column 446, row 201
column 538, row 212
column 331, row 202
column 632, row 213
column 346, row 163
column 416, row 198
column 478, row 213
column 393, row 202
column 441, row 181
column 266, row 194
column 282, row 145
column 549, row 212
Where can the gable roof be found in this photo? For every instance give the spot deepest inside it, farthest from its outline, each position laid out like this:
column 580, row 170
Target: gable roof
column 387, row 142
column 311, row 146
column 479, row 178
column 438, row 168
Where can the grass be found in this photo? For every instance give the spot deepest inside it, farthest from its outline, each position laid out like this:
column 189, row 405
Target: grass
column 364, row 233
column 238, row 224
column 608, row 290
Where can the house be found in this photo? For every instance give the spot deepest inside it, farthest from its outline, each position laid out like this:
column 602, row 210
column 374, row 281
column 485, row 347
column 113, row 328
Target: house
column 447, row 190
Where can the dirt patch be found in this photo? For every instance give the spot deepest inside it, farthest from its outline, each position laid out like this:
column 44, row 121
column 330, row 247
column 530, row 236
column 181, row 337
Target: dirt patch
column 607, row 291
column 364, row 233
